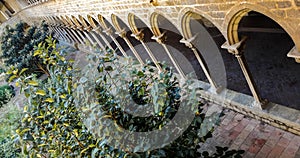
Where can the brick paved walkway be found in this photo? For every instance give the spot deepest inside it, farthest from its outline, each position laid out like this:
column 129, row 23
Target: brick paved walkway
column 258, row 139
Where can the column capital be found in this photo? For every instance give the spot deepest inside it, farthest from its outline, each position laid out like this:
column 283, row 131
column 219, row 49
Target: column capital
column 108, row 31
column 88, row 28
column 138, row 35
column 234, row 49
column 294, row 53
column 161, row 39
column 121, row 33
column 97, row 29
column 188, row 42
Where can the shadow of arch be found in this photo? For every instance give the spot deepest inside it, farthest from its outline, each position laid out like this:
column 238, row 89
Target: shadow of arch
column 125, row 30
column 207, row 40
column 110, row 31
column 183, row 55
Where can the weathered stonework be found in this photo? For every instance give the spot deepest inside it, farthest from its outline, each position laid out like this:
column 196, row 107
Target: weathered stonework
column 71, row 19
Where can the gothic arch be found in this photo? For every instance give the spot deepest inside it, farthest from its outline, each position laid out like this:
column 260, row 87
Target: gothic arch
column 115, row 22
column 92, row 21
column 237, row 12
column 84, row 22
column 76, row 22
column 70, row 22
column 154, row 22
column 186, row 12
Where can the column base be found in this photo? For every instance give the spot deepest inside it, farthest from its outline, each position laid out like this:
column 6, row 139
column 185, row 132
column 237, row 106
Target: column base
column 215, row 90
column 260, row 105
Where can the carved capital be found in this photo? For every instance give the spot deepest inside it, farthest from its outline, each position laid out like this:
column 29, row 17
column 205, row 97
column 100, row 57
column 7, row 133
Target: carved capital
column 97, row 29
column 188, row 42
column 121, row 33
column 161, row 39
column 294, row 54
column 235, row 48
column 88, row 28
column 108, row 31
column 139, row 35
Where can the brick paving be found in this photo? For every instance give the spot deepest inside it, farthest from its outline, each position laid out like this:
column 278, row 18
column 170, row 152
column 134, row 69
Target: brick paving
column 259, row 140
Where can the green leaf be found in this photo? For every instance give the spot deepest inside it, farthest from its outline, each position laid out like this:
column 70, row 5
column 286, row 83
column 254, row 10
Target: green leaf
column 11, row 78
column 23, row 70
column 49, row 100
column 40, row 92
column 33, row 83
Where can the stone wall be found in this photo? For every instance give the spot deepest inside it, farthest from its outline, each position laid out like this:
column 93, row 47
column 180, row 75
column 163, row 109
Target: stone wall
column 219, row 12
column 223, row 14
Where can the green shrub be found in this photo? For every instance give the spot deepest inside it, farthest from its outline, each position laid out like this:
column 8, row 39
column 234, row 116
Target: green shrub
column 10, row 117
column 51, row 124
column 62, row 117
column 2, row 70
column 6, row 93
column 17, row 46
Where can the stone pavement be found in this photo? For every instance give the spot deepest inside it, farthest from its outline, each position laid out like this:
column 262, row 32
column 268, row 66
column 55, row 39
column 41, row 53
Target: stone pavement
column 259, row 140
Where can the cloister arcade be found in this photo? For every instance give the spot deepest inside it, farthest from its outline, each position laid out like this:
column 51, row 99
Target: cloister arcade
column 199, row 42
column 247, row 53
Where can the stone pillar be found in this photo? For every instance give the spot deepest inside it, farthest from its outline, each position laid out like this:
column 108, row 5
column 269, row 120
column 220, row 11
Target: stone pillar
column 97, row 40
column 76, row 34
column 61, row 34
column 122, row 34
column 234, row 49
column 88, row 37
column 70, row 33
column 98, row 31
column 161, row 39
column 140, row 37
column 188, row 43
column 81, row 34
column 108, row 31
column 66, row 34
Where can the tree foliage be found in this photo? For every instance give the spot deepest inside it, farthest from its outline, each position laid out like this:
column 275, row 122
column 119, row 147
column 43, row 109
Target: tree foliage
column 17, row 46
column 6, row 93
column 62, row 116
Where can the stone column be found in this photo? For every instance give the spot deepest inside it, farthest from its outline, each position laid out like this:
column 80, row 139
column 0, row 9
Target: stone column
column 77, row 37
column 234, row 49
column 188, row 43
column 98, row 31
column 108, row 31
column 81, row 34
column 122, row 34
column 161, row 39
column 140, row 37
column 97, row 40
column 70, row 33
column 67, row 35
column 57, row 30
column 88, row 37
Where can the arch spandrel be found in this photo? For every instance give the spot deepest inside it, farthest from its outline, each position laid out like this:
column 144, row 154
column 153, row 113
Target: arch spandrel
column 187, row 10
column 235, row 14
column 131, row 22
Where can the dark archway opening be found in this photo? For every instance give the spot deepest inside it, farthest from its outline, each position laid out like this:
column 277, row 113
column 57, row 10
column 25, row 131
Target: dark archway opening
column 277, row 76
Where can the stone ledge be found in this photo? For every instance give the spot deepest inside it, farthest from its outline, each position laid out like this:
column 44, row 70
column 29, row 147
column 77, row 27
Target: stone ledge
column 276, row 115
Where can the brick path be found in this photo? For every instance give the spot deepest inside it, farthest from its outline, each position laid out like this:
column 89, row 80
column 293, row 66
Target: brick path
column 259, row 140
